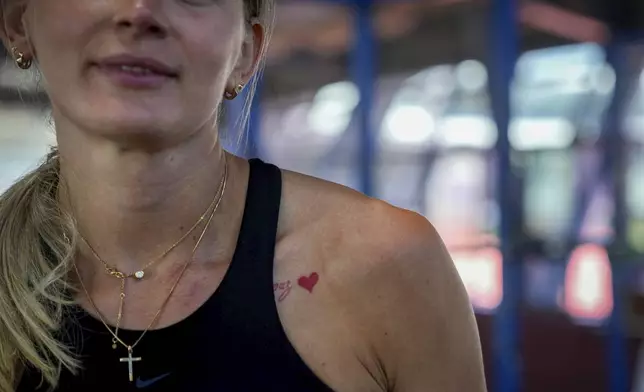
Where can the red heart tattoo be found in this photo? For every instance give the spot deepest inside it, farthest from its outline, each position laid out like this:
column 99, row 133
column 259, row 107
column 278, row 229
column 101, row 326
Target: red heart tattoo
column 309, row 282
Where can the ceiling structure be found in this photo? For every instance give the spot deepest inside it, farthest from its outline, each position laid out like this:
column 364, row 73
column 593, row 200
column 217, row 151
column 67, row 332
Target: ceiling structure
column 312, row 40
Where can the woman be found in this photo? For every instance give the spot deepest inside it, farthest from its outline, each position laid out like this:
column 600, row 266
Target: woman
column 140, row 255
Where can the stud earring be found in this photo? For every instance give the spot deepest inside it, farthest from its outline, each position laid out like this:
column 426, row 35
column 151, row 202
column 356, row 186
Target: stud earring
column 230, row 95
column 21, row 61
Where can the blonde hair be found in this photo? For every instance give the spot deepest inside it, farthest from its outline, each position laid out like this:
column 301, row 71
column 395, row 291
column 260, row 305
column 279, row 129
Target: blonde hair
column 37, row 245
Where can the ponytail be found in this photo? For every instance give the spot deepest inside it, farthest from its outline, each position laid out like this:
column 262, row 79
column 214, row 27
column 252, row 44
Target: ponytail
column 35, row 260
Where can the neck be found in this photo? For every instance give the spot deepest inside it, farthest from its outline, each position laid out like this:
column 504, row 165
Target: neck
column 131, row 204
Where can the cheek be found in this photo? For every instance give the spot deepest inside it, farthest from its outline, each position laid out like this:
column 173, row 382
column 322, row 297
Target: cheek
column 56, row 24
column 203, row 87
column 57, row 31
column 212, row 59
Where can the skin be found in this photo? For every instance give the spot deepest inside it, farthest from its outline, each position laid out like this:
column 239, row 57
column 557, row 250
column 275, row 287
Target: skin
column 388, row 312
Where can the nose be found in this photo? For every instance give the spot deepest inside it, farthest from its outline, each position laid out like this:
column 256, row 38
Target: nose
column 141, row 18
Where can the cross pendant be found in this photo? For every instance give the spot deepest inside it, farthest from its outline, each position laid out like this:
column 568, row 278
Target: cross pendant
column 130, row 360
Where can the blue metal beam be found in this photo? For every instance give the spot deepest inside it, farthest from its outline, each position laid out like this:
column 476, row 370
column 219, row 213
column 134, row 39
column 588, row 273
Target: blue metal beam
column 363, row 61
column 614, row 163
column 505, row 50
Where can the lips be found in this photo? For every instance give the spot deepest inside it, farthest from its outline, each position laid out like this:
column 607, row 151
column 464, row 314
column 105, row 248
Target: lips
column 140, row 66
column 133, row 69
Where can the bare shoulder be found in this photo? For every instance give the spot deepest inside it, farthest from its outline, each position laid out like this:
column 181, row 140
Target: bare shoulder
column 396, row 282
column 369, row 235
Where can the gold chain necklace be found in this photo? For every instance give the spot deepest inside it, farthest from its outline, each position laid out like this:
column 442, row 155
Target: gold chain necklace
column 130, row 348
column 114, row 272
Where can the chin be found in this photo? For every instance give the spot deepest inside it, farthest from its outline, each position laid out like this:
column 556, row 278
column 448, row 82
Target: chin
column 130, row 115
column 132, row 129
column 143, row 118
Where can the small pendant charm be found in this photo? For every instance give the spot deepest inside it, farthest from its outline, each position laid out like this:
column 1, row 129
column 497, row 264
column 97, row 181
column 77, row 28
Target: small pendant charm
column 113, row 346
column 139, row 274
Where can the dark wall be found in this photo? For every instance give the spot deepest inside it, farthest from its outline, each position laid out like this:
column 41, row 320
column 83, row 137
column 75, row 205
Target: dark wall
column 622, row 14
column 557, row 355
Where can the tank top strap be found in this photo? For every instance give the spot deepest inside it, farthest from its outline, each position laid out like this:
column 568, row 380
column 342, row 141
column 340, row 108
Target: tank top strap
column 251, row 270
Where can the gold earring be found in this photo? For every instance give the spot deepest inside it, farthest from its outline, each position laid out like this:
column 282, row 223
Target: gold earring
column 230, row 95
column 21, row 61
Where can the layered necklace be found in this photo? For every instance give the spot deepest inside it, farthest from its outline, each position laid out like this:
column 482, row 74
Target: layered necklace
column 140, row 274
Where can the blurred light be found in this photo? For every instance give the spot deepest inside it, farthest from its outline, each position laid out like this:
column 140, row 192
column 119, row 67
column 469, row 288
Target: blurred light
column 597, row 222
column 471, row 75
column 467, row 131
column 588, row 291
column 293, row 117
column 431, row 83
column 455, row 196
column 408, row 124
column 13, row 77
column 467, row 170
column 635, row 188
column 634, row 127
column 541, row 133
column 332, row 109
column 604, row 80
column 25, row 136
column 481, row 273
column 329, row 118
column 565, row 69
column 343, row 91
column 29, row 127
column 439, row 80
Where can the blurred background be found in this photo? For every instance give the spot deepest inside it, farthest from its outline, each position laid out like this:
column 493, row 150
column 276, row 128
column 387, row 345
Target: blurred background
column 516, row 127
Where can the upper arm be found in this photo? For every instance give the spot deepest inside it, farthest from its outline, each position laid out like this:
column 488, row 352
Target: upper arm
column 420, row 321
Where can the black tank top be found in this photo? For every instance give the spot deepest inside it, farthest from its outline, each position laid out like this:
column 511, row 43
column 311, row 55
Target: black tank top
column 233, row 343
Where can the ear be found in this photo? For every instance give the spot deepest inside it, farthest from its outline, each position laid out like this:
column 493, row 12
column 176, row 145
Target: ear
column 251, row 55
column 13, row 30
